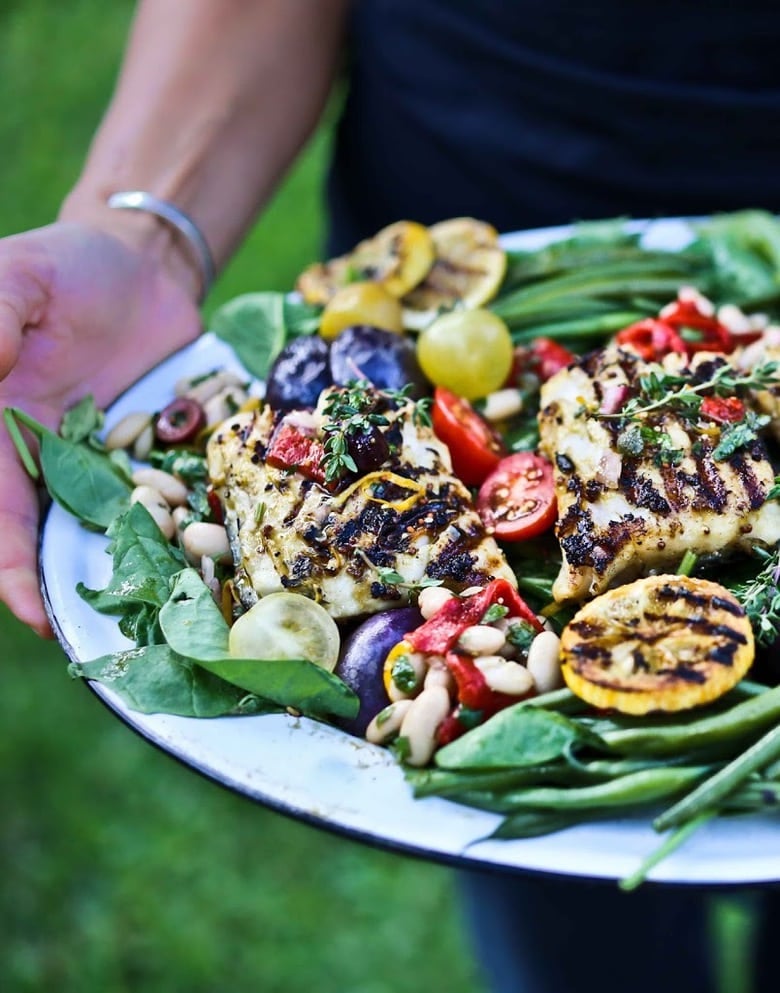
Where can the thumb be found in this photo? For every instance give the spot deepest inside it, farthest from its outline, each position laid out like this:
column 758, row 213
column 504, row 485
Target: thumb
column 19, row 515
column 23, row 299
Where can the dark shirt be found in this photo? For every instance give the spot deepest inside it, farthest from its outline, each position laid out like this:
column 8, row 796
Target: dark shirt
column 528, row 114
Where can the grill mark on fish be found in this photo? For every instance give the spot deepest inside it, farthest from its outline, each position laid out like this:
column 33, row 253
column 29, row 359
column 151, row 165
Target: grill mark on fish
column 754, row 490
column 640, row 489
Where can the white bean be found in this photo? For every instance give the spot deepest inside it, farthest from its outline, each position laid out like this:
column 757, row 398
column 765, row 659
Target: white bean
column 432, row 599
column 172, row 489
column 439, row 675
column 544, row 662
column 149, row 496
column 181, row 517
column 502, row 404
column 735, row 319
column 207, row 388
column 505, row 676
column 385, row 726
column 125, row 432
column 422, row 720
column 481, row 639
column 224, row 404
column 157, row 506
column 144, row 443
column 200, row 538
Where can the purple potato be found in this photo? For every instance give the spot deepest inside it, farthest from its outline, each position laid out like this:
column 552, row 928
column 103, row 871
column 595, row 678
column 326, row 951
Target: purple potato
column 300, row 372
column 385, row 359
column 363, row 658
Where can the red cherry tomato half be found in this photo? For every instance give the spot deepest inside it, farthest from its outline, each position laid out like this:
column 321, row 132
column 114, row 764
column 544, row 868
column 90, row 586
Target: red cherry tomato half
column 517, row 500
column 541, row 356
column 475, row 447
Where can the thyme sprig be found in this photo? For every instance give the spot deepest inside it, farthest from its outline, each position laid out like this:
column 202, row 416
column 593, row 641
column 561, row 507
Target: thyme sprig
column 356, row 409
column 391, row 577
column 660, row 390
column 760, row 597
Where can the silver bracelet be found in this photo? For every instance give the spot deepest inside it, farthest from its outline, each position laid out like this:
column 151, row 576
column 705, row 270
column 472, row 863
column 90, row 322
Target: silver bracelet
column 187, row 228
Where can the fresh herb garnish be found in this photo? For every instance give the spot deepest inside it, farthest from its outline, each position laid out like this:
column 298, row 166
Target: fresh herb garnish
column 760, row 597
column 389, row 577
column 494, row 613
column 740, row 434
column 357, row 409
column 659, row 390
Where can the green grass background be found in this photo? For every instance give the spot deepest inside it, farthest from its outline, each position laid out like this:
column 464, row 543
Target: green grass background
column 122, row 870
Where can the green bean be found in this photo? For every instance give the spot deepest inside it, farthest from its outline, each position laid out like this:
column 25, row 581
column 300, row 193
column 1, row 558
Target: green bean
column 443, row 782
column 560, row 308
column 644, row 786
column 754, row 797
column 619, row 279
column 749, row 717
column 710, row 794
column 562, row 700
column 669, row 845
column 578, row 328
column 563, row 256
column 772, row 771
column 534, row 823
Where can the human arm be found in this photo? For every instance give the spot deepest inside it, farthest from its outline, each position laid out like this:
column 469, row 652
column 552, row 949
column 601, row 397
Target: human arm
column 214, row 100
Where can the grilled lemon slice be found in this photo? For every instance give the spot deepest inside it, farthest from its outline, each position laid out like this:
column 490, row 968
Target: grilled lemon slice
column 468, row 270
column 398, row 258
column 662, row 643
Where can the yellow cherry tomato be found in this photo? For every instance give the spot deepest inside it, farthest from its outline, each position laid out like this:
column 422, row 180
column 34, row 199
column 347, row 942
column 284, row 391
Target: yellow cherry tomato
column 286, row 625
column 361, row 303
column 468, row 352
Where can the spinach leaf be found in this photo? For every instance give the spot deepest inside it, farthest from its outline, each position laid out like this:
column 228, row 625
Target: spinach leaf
column 258, row 325
column 85, row 482
column 83, row 422
column 194, row 627
column 520, row 735
column 155, row 679
column 144, row 563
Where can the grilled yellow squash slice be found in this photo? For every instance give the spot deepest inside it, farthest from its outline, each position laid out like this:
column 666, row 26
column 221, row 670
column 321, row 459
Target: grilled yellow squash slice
column 468, row 270
column 398, row 258
column 662, row 643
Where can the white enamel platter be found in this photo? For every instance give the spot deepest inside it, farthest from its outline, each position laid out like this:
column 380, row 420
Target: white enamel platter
column 322, row 776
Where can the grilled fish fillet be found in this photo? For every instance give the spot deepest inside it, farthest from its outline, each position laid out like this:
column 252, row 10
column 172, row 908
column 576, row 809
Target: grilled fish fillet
column 766, row 349
column 623, row 515
column 410, row 516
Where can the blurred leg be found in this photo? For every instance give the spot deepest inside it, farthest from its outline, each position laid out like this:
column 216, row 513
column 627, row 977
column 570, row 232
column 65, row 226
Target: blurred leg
column 549, row 935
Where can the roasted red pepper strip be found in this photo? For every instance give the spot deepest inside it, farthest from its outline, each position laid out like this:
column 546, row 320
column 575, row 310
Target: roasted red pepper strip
column 651, row 338
column 290, row 448
column 450, row 729
column 710, row 334
column 473, row 690
column 440, row 633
